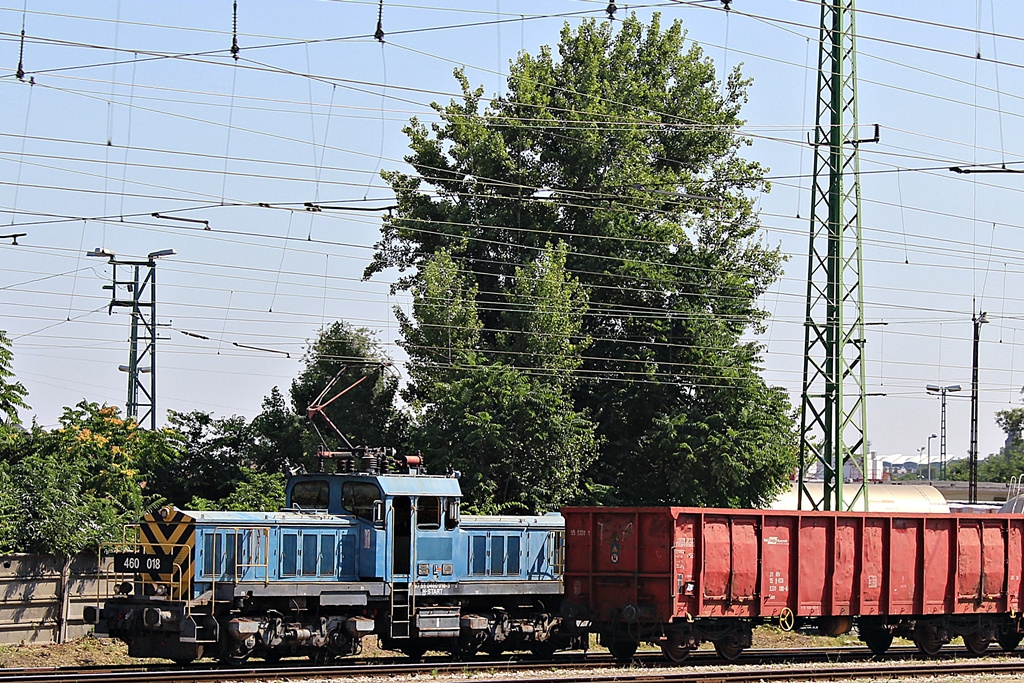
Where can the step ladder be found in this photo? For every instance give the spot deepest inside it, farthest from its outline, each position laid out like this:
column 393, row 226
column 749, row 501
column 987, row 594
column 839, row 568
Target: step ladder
column 401, row 610
column 200, row 628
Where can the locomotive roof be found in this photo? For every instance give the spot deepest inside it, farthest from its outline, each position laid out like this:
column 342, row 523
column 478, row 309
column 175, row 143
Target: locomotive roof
column 398, row 484
column 235, row 518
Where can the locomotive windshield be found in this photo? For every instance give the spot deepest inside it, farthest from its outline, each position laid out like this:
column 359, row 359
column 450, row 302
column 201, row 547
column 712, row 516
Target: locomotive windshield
column 314, row 495
column 358, row 498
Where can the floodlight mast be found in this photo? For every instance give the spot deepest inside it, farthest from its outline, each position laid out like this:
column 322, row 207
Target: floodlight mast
column 942, row 391
column 141, row 403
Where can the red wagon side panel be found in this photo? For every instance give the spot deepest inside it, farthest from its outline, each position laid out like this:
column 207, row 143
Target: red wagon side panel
column 778, row 535
column 653, row 565
column 938, row 579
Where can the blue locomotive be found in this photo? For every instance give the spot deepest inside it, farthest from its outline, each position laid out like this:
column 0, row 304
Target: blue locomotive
column 353, row 554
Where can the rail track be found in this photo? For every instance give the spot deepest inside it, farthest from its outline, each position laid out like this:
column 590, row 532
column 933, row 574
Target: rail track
column 647, row 667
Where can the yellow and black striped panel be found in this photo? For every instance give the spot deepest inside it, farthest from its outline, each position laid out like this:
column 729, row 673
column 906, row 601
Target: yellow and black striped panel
column 171, row 532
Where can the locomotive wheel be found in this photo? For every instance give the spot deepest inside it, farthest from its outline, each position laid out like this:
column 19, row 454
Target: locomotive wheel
column 878, row 640
column 976, row 643
column 622, row 649
column 926, row 638
column 494, row 649
column 272, row 656
column 413, row 650
column 675, row 648
column 543, row 649
column 1009, row 640
column 320, row 656
column 728, row 650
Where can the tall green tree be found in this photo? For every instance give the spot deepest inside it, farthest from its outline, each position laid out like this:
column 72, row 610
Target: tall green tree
column 623, row 146
column 505, row 422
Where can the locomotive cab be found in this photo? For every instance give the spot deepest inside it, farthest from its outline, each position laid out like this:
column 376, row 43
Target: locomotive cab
column 401, row 519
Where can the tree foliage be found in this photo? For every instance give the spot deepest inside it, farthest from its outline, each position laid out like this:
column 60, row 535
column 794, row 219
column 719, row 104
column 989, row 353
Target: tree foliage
column 624, row 152
column 507, row 423
column 256, row 491
column 1001, row 466
column 69, row 488
column 12, row 392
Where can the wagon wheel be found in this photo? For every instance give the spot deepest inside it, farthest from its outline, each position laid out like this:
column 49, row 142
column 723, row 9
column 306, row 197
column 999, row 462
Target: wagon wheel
column 878, row 640
column 727, row 649
column 622, row 649
column 465, row 651
column 675, row 648
column 926, row 637
column 976, row 643
column 1009, row 640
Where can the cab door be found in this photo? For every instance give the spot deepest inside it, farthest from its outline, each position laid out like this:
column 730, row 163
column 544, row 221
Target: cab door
column 401, row 537
column 435, row 531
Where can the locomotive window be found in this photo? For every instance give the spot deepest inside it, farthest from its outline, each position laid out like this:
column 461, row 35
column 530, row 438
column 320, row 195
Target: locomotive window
column 428, row 512
column 327, row 555
column 479, row 555
column 230, row 546
column 208, row 554
column 289, row 554
column 358, row 497
column 513, row 554
column 312, row 494
column 309, row 544
column 497, row 554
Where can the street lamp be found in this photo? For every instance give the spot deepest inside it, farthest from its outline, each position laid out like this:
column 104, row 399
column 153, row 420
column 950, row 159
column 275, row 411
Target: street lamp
column 144, row 315
column 930, row 437
column 936, row 389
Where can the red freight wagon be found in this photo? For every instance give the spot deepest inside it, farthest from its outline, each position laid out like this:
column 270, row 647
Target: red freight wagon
column 679, row 576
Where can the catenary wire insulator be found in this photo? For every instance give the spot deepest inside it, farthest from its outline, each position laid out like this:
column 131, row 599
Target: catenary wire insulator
column 379, row 33
column 20, row 73
column 234, row 31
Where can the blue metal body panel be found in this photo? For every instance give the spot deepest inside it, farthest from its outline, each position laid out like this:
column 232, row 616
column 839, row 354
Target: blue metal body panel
column 415, row 540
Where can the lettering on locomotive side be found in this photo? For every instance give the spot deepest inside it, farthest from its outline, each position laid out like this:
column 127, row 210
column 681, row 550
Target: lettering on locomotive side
column 133, row 563
column 432, row 588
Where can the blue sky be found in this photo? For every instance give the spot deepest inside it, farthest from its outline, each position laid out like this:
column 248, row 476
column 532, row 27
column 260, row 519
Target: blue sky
column 138, row 108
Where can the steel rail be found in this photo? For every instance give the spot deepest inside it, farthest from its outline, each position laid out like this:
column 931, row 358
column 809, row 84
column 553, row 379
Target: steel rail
column 646, row 661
